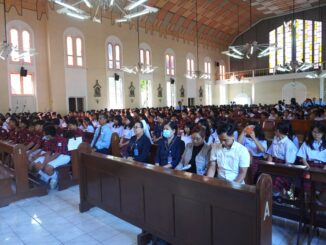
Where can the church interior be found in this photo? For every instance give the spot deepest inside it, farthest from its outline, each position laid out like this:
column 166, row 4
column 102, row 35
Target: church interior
column 162, row 122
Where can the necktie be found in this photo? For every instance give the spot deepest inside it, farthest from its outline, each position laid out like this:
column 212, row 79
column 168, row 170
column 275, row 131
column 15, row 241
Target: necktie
column 97, row 137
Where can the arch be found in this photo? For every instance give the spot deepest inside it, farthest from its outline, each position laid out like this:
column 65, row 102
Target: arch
column 295, row 90
column 242, row 99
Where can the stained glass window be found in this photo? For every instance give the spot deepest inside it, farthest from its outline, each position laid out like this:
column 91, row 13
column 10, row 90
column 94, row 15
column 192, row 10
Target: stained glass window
column 308, row 43
column 280, row 45
column 299, row 40
column 317, row 43
column 308, row 37
column 288, row 42
column 272, row 55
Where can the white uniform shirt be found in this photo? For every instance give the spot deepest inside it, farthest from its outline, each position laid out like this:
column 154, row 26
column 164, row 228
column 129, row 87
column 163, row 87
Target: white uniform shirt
column 230, row 161
column 127, row 133
column 314, row 154
column 90, row 129
column 118, row 130
column 186, row 138
column 249, row 143
column 283, row 149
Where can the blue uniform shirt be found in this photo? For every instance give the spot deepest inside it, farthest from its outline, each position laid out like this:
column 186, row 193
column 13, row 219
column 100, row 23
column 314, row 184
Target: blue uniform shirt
column 104, row 139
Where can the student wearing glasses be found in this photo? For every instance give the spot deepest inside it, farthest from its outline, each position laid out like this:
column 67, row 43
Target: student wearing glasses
column 195, row 158
column 313, row 151
column 139, row 144
column 230, row 159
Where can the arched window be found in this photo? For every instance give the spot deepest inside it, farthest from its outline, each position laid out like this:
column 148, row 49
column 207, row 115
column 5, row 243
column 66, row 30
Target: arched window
column 21, row 40
column 74, row 51
column 307, row 39
column 169, row 63
column 208, row 68
column 114, row 53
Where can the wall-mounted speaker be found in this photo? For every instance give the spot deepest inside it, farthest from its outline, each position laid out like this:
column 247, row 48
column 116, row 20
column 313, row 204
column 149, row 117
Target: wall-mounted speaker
column 172, row 80
column 116, row 77
column 217, row 64
column 23, row 72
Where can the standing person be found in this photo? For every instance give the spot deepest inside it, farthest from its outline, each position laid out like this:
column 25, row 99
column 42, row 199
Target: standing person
column 102, row 137
column 170, row 148
column 230, row 159
column 139, row 144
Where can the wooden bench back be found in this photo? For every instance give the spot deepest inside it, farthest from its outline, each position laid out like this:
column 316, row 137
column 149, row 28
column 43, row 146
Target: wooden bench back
column 15, row 160
column 177, row 206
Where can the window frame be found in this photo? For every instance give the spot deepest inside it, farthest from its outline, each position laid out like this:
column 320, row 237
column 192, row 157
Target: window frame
column 21, row 84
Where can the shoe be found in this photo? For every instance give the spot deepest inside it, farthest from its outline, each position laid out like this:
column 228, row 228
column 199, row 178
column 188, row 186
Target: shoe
column 54, row 181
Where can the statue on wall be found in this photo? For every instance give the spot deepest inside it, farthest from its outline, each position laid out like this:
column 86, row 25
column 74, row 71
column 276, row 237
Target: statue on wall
column 131, row 90
column 200, row 92
column 97, row 89
column 182, row 92
column 159, row 91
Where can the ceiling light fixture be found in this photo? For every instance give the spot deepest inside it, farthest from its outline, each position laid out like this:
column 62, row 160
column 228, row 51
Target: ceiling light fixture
column 133, row 5
column 139, row 68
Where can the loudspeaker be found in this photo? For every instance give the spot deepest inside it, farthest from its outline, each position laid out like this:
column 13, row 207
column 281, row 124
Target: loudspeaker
column 116, row 77
column 23, row 72
column 217, row 64
column 172, row 80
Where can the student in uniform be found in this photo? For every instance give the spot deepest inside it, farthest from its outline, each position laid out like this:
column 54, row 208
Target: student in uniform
column 170, row 148
column 117, row 126
column 253, row 138
column 54, row 154
column 186, row 134
column 230, row 159
column 281, row 151
column 88, row 126
column 128, row 132
column 139, row 144
column 196, row 156
column 312, row 152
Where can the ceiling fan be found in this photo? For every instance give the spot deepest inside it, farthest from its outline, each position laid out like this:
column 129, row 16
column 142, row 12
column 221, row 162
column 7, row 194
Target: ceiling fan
column 294, row 66
column 100, row 6
column 139, row 68
column 248, row 49
column 316, row 74
column 7, row 49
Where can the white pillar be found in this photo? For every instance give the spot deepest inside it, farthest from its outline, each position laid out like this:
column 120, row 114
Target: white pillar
column 321, row 88
column 253, row 93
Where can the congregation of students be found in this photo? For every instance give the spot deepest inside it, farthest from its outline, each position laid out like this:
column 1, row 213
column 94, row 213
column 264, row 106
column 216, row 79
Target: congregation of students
column 203, row 140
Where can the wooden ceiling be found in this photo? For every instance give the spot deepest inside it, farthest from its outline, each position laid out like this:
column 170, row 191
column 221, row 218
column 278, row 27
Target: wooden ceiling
column 219, row 21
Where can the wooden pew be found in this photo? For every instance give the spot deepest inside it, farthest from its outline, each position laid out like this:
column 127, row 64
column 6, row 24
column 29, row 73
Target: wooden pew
column 295, row 208
column 177, row 206
column 15, row 181
column 317, row 177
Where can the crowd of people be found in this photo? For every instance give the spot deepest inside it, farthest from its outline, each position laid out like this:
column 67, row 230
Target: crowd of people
column 203, row 140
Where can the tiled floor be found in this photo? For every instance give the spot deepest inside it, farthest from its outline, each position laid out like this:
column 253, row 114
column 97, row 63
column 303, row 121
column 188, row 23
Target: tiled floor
column 55, row 219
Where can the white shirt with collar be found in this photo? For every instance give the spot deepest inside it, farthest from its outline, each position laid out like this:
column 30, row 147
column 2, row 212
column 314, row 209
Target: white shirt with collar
column 314, row 154
column 283, row 149
column 250, row 144
column 229, row 161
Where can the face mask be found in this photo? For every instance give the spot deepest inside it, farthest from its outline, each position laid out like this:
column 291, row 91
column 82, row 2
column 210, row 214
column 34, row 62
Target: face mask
column 166, row 133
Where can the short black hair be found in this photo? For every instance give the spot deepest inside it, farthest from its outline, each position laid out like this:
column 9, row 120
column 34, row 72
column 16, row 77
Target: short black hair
column 50, row 130
column 227, row 128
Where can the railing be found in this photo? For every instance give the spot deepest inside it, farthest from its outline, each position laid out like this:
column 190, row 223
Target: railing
column 264, row 72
